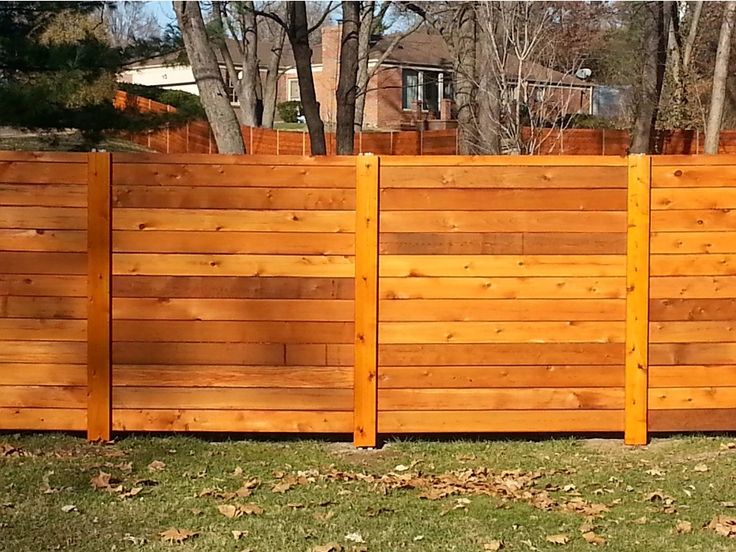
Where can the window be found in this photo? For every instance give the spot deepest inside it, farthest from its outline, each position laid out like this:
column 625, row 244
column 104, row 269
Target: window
column 430, row 90
column 294, row 90
column 229, row 86
column 409, row 88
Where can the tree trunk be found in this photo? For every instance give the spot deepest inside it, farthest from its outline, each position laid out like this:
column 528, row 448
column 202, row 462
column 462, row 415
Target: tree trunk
column 720, row 74
column 345, row 95
column 364, row 37
column 215, row 101
column 248, row 83
column 270, row 83
column 656, row 18
column 488, row 92
column 298, row 31
column 465, row 83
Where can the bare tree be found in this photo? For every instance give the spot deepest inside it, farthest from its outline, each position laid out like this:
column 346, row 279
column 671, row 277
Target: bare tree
column 298, row 30
column 127, row 22
column 238, row 20
column 275, row 35
column 345, row 95
column 655, row 18
column 720, row 74
column 215, row 100
column 522, row 103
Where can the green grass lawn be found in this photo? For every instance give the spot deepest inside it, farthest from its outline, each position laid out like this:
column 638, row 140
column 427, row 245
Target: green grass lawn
column 59, row 493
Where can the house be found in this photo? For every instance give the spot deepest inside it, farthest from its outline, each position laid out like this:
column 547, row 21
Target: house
column 414, row 83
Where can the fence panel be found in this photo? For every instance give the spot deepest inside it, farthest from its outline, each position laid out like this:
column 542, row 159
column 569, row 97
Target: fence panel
column 693, row 294
column 43, row 289
column 233, row 293
column 502, row 294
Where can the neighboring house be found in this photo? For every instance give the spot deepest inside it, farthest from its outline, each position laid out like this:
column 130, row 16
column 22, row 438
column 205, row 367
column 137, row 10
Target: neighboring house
column 415, row 82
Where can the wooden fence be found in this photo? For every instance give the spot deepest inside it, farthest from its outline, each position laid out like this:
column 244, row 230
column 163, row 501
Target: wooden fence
column 372, row 295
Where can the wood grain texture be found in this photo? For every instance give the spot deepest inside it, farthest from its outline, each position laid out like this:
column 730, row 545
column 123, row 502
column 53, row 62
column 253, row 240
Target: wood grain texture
column 43, row 195
column 692, row 309
column 502, row 265
column 319, row 266
column 367, row 225
column 693, row 242
column 43, row 285
column 234, row 420
column 693, row 420
column 637, row 299
column 31, row 171
column 503, row 221
column 39, row 374
column 43, row 240
column 44, row 307
column 683, row 398
column 505, row 421
column 695, row 173
column 693, row 375
column 693, row 265
column 692, row 353
column 503, row 288
column 512, row 375
column 692, row 332
column 29, row 329
column 693, row 220
column 24, row 262
column 502, row 399
column 99, row 297
column 27, row 396
column 693, row 198
column 43, row 218
column 43, row 419
column 491, row 199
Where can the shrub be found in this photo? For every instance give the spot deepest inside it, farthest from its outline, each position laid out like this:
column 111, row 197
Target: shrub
column 289, row 111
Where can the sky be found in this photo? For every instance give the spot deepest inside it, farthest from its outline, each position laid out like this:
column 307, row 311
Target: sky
column 162, row 11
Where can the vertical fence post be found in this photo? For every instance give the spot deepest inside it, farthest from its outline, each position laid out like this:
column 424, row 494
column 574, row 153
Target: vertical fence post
column 365, row 402
column 99, row 269
column 637, row 300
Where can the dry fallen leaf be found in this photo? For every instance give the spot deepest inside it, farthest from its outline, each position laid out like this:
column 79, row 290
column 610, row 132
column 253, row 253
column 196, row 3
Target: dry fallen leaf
column 700, row 468
column 156, row 465
column 177, row 536
column 238, row 471
column 100, row 481
column 354, row 537
column 324, row 516
column 329, row 547
column 68, row 508
column 237, row 535
column 683, row 527
column 282, row 486
column 230, row 511
column 641, row 521
column 557, row 539
column 723, row 525
column 251, row 509
column 591, row 538
column 493, row 546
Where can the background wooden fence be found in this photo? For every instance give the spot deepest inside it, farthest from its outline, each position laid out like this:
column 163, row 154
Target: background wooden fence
column 372, row 295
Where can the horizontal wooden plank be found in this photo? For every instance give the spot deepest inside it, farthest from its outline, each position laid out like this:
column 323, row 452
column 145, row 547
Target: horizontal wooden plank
column 44, row 156
column 198, row 353
column 692, row 353
column 679, row 398
column 47, row 218
column 27, row 396
column 723, row 419
column 507, row 353
column 187, row 173
column 45, row 285
column 43, row 419
column 184, row 375
column 694, row 173
column 212, row 398
column 231, row 220
column 17, row 262
column 232, row 309
column 49, row 195
column 201, row 331
column 503, row 221
column 43, row 374
column 692, row 375
column 43, row 352
column 574, row 243
column 304, row 243
column 319, row 266
column 693, row 242
column 499, row 176
column 675, row 162
column 43, row 240
column 693, row 220
column 692, row 309
column 212, row 197
column 232, row 420
column 693, row 198
column 501, row 332
column 503, row 288
column 484, row 310
column 32, row 172
column 299, row 354
column 489, row 199
column 459, row 377
column 520, row 161
column 692, row 331
column 234, row 287
column 44, row 307
column 445, row 243
column 23, row 329
column 502, row 265
column 500, row 421
column 293, row 162
column 502, row 399
column 693, row 265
